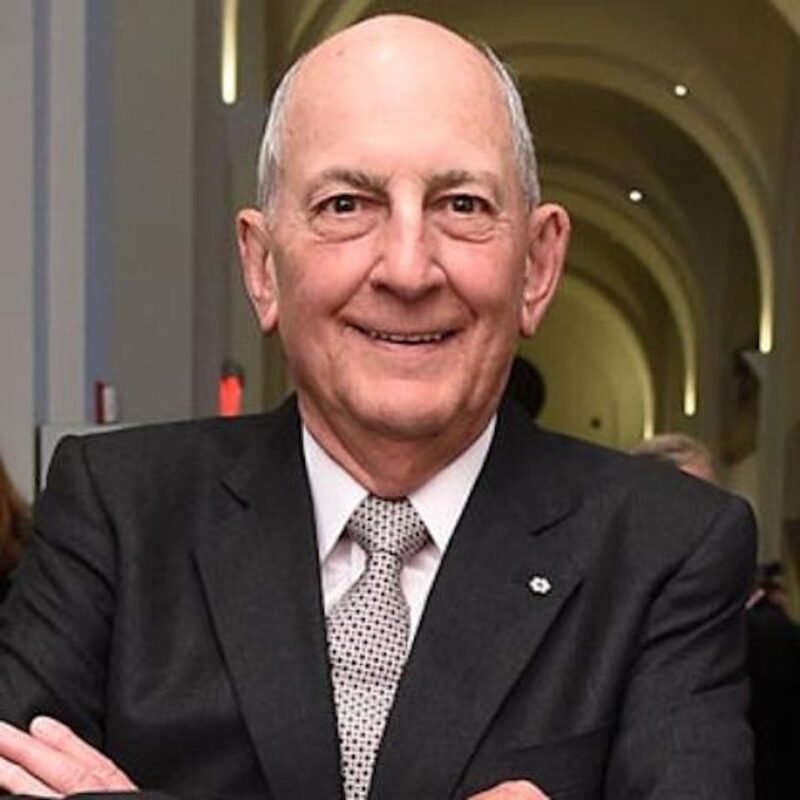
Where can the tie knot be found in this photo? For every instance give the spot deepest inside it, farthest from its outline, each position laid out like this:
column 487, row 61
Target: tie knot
column 388, row 526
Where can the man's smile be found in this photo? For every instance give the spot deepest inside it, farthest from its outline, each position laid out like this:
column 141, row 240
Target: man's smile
column 404, row 338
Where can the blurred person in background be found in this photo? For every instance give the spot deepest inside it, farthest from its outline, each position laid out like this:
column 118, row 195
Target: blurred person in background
column 773, row 661
column 526, row 386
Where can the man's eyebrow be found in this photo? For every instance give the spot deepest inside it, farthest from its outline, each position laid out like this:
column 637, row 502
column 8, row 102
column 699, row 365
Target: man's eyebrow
column 354, row 178
column 453, row 178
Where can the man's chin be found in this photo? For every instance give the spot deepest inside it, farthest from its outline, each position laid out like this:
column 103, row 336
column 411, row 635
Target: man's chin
column 410, row 422
column 408, row 429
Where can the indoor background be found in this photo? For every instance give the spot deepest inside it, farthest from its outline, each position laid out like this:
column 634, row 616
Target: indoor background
column 670, row 130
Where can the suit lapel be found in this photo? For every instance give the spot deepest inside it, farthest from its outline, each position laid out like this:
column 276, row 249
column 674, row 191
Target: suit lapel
column 483, row 621
column 260, row 570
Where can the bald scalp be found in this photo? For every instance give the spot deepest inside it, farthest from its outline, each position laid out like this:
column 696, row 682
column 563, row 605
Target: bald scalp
column 384, row 35
column 364, row 52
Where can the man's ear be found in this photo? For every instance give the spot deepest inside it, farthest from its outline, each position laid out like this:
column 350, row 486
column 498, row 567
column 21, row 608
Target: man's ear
column 547, row 250
column 258, row 267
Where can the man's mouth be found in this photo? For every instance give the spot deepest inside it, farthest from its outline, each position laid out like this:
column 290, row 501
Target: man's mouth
column 391, row 337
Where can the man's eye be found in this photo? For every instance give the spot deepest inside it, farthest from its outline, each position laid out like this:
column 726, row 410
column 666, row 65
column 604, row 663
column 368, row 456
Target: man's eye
column 341, row 204
column 343, row 216
column 467, row 204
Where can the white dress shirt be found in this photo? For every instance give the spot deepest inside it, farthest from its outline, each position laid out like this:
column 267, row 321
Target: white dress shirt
column 439, row 502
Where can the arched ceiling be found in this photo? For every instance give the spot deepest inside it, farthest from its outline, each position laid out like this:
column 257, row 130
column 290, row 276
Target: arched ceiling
column 688, row 234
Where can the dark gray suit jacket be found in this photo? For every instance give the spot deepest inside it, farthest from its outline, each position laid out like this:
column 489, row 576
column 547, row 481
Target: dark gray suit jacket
column 169, row 609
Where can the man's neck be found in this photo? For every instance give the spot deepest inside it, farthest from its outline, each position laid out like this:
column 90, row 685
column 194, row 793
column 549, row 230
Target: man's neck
column 387, row 466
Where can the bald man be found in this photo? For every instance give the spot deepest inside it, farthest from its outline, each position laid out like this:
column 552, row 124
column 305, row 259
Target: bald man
column 558, row 621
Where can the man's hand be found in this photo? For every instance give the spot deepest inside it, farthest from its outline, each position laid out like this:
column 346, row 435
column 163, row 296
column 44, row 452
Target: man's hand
column 512, row 790
column 51, row 761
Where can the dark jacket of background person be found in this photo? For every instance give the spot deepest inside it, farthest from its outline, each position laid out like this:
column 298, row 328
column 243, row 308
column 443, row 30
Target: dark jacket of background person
column 14, row 525
column 774, row 665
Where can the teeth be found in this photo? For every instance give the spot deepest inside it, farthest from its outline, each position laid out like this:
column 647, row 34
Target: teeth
column 407, row 338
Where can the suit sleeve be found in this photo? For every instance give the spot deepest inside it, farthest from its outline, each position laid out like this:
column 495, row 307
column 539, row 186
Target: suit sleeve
column 56, row 623
column 683, row 731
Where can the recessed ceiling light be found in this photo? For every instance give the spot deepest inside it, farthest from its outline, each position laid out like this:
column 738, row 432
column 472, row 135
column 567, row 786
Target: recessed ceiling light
column 680, row 90
column 635, row 195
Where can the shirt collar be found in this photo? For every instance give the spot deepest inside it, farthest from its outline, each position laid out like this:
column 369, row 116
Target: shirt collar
column 439, row 502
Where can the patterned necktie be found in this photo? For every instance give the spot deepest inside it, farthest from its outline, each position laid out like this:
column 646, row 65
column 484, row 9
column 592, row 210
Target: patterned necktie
column 368, row 632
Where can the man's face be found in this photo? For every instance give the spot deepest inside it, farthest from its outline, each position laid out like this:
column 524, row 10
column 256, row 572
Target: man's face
column 398, row 245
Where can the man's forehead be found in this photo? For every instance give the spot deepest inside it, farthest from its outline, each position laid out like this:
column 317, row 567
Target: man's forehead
column 393, row 49
column 396, row 94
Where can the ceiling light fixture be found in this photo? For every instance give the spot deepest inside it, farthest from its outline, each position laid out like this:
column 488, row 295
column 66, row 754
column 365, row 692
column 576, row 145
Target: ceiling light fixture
column 635, row 195
column 680, row 90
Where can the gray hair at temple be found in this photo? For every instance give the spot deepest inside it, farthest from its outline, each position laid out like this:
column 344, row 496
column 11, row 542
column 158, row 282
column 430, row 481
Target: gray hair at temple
column 268, row 172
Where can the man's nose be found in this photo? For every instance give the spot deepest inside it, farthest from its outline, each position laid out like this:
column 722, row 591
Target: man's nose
column 407, row 264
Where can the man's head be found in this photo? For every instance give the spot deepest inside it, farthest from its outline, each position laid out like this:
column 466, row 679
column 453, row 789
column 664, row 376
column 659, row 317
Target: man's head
column 401, row 255
column 681, row 450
